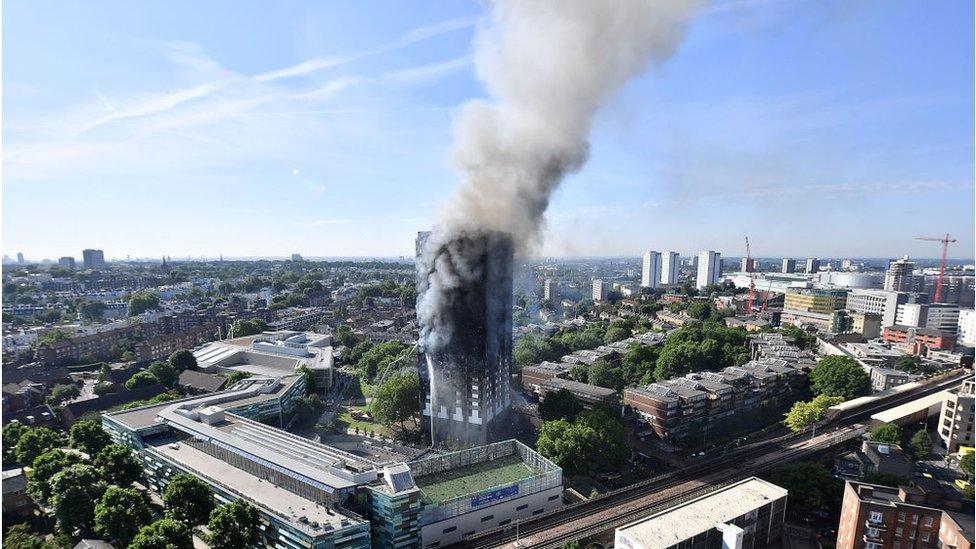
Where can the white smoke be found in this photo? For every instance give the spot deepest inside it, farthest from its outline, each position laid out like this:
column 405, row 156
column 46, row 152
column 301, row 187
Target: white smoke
column 548, row 66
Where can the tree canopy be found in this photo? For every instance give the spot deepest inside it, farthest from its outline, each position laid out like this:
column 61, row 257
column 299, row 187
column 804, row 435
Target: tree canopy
column 591, row 442
column 164, row 373
column 74, row 492
column 141, row 302
column 11, row 436
column 966, row 463
column 812, row 487
column 233, row 526
column 163, row 534
column 120, row 513
column 188, row 500
column 118, row 465
column 840, row 376
column 88, row 436
column 398, row 398
column 141, row 379
column 803, row 414
column 247, row 326
column 921, row 444
column 559, row 404
column 34, row 442
column 44, row 467
column 889, row 433
column 183, row 360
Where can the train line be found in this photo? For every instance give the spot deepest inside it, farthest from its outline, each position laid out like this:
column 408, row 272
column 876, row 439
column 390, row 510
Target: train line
column 625, row 504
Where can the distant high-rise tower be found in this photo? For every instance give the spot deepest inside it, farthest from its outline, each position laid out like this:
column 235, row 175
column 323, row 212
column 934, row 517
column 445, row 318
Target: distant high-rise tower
column 600, row 290
column 669, row 268
column 467, row 341
column 813, row 265
column 651, row 269
column 20, row 258
column 900, row 276
column 747, row 265
column 709, row 268
column 789, row 265
column 550, row 290
column 93, row 259
column 296, row 257
column 66, row 262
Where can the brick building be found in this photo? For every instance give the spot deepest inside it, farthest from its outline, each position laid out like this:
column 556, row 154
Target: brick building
column 917, row 341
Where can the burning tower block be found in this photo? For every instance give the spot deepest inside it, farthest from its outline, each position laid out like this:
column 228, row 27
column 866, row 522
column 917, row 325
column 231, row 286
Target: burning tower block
column 465, row 316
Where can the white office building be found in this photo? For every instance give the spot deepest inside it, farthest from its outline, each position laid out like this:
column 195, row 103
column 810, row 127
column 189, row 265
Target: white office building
column 943, row 317
column 550, row 290
column 813, row 265
column 967, row 328
column 669, row 268
column 880, row 302
column 789, row 265
column 709, row 268
column 651, row 269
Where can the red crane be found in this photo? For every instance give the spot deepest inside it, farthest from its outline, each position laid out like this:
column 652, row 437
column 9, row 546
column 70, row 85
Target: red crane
column 752, row 276
column 945, row 240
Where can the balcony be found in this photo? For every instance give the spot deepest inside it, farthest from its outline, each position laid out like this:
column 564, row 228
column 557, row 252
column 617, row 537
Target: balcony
column 879, row 524
column 872, row 539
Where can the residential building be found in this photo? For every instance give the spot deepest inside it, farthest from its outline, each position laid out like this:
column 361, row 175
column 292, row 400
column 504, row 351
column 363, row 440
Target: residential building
column 883, row 378
column 883, row 303
column 748, row 514
column 669, row 268
column 905, row 517
column 651, row 269
column 873, row 457
column 789, row 265
column 967, row 328
column 900, row 276
column 93, row 259
column 917, row 341
column 296, row 257
column 813, row 265
column 20, row 258
column 550, row 290
column 16, row 501
column 600, row 290
column 846, row 264
column 588, row 395
column 747, row 265
column 709, row 268
column 956, row 419
column 866, row 324
column 66, row 262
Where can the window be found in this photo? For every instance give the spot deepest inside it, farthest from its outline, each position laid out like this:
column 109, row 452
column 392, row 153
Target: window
column 486, row 519
column 876, row 516
column 537, row 512
column 555, row 497
column 449, row 530
column 521, row 507
column 925, row 536
column 901, row 516
column 467, row 534
column 927, row 521
column 873, row 532
column 505, row 522
column 898, row 532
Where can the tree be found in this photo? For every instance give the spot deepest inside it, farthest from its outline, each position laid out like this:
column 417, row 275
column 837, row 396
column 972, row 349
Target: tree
column 11, row 436
column 398, row 398
column 128, row 356
column 908, row 363
column 44, row 467
column 699, row 310
column 63, row 393
column 164, row 373
column 889, row 433
column 840, row 376
column 141, row 379
column 308, row 408
column 811, row 487
column 236, row 376
column 163, row 534
column 559, row 404
column 600, row 373
column 804, row 414
column 579, row 373
column 183, row 360
column 19, row 536
column 247, row 326
column 88, row 436
column 617, row 333
column 593, row 441
column 91, row 310
column 188, row 500
column 141, row 302
column 233, row 526
column 35, row 442
column 120, row 513
column 118, row 465
column 966, row 463
column 306, row 372
column 74, row 492
column 345, row 337
column 921, row 444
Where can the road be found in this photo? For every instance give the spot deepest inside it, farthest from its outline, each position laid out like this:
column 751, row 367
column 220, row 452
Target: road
column 618, row 507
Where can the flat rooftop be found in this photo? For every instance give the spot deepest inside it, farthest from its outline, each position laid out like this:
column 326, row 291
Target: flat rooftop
column 699, row 515
column 281, row 502
column 441, row 487
column 892, row 415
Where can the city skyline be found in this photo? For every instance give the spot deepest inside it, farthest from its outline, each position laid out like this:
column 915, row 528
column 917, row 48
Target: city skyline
column 234, row 140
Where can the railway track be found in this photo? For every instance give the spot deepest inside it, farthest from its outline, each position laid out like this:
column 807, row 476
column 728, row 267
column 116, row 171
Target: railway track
column 678, row 486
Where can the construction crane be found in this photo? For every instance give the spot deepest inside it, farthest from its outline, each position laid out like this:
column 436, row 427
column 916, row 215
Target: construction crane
column 752, row 276
column 945, row 240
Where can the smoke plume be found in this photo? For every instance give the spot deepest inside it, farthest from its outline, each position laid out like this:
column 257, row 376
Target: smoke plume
column 548, row 66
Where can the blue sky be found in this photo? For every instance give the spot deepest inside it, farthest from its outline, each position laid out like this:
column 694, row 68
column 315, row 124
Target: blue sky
column 825, row 128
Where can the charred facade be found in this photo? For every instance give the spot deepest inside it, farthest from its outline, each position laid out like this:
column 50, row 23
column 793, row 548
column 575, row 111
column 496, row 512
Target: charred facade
column 465, row 316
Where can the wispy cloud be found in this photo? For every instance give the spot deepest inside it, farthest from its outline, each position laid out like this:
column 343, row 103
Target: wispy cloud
column 428, row 72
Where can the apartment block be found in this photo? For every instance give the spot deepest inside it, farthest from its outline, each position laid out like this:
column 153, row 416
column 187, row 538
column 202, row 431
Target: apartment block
column 600, row 290
column 943, row 317
column 709, row 268
column 967, row 328
column 650, row 269
column 669, row 268
column 956, row 419
column 789, row 265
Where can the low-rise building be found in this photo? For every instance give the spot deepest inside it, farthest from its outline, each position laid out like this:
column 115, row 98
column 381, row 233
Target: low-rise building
column 874, row 457
column 883, row 379
column 748, row 514
column 956, row 420
column 587, row 394
column 917, row 341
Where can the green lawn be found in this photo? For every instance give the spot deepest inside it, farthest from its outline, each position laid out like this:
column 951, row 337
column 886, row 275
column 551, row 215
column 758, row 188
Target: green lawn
column 347, row 421
column 473, row 478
